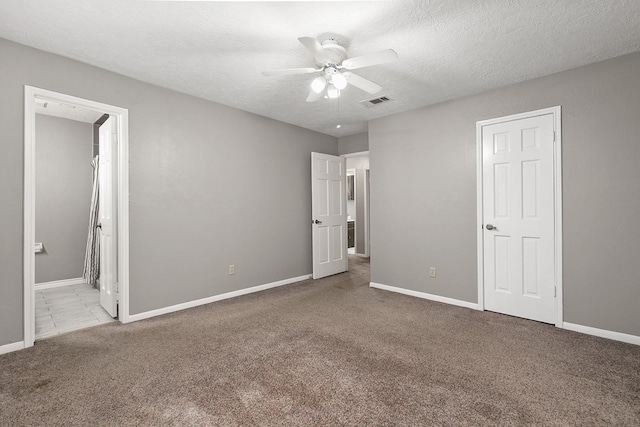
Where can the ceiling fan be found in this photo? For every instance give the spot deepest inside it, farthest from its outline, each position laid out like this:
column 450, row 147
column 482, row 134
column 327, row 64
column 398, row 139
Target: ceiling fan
column 331, row 59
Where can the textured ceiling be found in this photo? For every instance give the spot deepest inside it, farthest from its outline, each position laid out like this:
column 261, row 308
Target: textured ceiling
column 217, row 50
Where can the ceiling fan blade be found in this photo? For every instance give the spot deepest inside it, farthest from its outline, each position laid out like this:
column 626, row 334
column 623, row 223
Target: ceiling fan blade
column 288, row 71
column 316, row 49
column 370, row 59
column 314, row 96
column 362, row 83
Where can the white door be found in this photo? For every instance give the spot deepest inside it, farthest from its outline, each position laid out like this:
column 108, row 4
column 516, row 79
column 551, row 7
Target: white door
column 329, row 214
column 518, row 217
column 107, row 216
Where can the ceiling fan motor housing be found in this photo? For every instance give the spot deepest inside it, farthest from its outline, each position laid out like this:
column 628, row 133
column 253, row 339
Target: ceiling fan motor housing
column 329, row 71
column 334, row 51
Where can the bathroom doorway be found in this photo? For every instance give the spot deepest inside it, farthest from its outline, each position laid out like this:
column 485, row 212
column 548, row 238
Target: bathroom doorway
column 65, row 164
column 62, row 260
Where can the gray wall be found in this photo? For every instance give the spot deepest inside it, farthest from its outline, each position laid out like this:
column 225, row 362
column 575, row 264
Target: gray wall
column 359, row 163
column 423, row 191
column 63, row 195
column 209, row 186
column 353, row 143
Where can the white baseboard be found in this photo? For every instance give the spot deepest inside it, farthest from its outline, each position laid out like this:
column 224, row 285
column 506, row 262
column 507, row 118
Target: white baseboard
column 59, row 283
column 425, row 295
column 8, row 348
column 603, row 333
column 208, row 300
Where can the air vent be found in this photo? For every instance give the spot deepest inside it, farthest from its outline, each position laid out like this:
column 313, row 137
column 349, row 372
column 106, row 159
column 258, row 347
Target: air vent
column 375, row 101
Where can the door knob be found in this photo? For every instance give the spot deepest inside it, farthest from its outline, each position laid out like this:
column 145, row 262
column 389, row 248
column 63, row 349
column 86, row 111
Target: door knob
column 317, row 222
column 491, row 227
column 99, row 226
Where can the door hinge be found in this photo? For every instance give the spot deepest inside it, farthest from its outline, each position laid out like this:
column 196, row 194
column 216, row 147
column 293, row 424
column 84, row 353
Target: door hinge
column 554, row 136
column 555, row 291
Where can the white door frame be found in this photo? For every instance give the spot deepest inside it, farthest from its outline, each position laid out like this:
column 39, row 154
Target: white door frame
column 367, row 171
column 557, row 179
column 367, row 177
column 352, row 171
column 122, row 128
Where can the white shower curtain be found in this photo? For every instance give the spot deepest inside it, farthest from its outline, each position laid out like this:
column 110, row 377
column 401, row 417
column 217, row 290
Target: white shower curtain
column 91, row 272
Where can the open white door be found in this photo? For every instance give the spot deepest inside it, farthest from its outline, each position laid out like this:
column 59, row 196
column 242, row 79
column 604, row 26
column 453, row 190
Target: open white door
column 107, row 217
column 329, row 214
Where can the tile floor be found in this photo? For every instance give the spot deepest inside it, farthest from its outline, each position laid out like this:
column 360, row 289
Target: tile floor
column 68, row 308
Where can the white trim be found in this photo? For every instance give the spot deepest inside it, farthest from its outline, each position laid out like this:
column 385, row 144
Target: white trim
column 122, row 120
column 59, row 283
column 358, row 154
column 15, row 346
column 557, row 172
column 208, row 300
column 367, row 219
column 123, row 216
column 479, row 216
column 425, row 295
column 354, row 172
column 29, row 270
column 366, row 206
column 603, row 333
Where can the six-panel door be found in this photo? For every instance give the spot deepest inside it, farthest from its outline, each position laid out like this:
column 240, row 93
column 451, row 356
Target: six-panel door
column 329, row 218
column 518, row 214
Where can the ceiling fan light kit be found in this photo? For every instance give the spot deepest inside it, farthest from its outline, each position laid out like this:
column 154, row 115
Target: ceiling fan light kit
column 330, row 58
column 339, row 81
column 318, row 84
column 333, row 92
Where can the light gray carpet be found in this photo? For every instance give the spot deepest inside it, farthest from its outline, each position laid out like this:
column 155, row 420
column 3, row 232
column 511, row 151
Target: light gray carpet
column 327, row 352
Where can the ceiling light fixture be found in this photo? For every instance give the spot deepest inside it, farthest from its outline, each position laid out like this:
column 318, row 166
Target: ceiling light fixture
column 333, row 92
column 330, row 58
column 339, row 81
column 339, row 126
column 318, row 84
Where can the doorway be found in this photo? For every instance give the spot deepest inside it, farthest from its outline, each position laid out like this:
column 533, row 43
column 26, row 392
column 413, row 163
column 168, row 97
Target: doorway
column 358, row 203
column 117, row 288
column 520, row 215
column 351, row 211
column 66, row 181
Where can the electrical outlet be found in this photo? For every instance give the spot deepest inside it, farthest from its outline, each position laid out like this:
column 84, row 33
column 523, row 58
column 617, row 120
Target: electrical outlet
column 432, row 272
column 232, row 269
